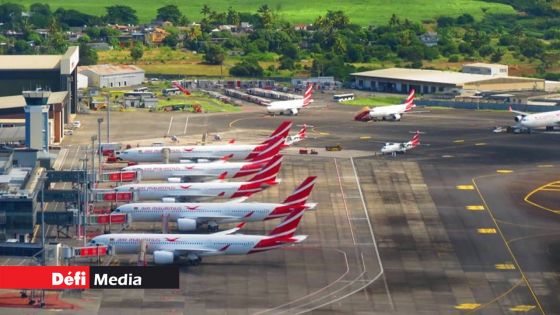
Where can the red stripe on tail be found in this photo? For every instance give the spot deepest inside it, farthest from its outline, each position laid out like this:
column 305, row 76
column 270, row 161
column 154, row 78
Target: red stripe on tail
column 288, row 226
column 301, row 193
column 269, row 172
column 308, row 95
column 282, row 131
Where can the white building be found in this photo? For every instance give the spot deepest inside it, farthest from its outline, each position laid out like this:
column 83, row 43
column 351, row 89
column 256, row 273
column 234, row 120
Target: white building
column 486, row 69
column 113, row 76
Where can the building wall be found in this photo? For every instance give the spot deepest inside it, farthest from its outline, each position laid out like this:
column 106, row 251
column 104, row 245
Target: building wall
column 36, row 120
column 398, row 86
column 121, row 80
column 506, row 86
column 501, row 70
column 13, row 82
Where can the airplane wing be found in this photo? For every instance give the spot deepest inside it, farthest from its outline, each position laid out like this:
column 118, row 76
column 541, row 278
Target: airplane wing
column 518, row 112
column 231, row 231
column 186, row 249
column 236, row 200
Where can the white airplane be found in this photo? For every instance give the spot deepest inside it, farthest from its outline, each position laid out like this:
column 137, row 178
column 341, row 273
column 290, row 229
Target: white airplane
column 190, row 216
column 166, row 247
column 291, row 107
column 548, row 120
column 394, row 148
column 199, row 153
column 302, row 133
column 391, row 112
column 196, row 172
column 172, row 192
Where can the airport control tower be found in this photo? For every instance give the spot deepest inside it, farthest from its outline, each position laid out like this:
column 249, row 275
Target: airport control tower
column 37, row 119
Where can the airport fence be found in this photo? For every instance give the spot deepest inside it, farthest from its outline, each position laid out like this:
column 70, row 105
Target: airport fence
column 485, row 105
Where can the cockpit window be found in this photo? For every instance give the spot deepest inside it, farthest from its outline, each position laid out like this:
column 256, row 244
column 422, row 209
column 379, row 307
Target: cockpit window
column 117, row 210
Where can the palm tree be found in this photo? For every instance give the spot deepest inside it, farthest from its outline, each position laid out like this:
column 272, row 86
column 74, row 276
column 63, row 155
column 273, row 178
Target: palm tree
column 205, row 10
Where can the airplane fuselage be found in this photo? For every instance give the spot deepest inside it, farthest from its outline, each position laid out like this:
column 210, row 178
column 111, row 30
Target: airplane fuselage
column 191, row 190
column 203, row 212
column 208, row 244
column 540, row 120
column 236, row 152
column 195, row 170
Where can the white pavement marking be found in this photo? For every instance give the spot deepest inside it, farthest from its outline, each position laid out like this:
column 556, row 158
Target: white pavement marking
column 170, row 123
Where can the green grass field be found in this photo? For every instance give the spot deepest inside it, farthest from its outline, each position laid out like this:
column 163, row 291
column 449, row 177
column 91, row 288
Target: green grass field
column 208, row 104
column 372, row 12
column 374, row 101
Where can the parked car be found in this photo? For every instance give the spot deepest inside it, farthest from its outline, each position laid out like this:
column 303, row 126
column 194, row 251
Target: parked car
column 68, row 132
column 77, row 124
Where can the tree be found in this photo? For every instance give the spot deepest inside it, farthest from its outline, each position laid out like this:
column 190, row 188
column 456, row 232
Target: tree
column 88, row 56
column 247, row 68
column 40, row 15
column 465, row 19
column 266, row 16
column 531, row 47
column 121, row 14
column 205, row 10
column 137, row 52
column 214, row 55
column 445, row 21
column 233, row 17
column 169, row 13
column 287, row 63
column 497, row 55
column 171, row 40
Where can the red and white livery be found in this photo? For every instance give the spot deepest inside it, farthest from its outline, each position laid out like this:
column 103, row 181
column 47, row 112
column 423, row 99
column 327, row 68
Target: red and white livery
column 196, row 153
column 300, row 136
column 184, row 192
column 195, row 172
column 391, row 112
column 190, row 216
column 291, row 107
column 165, row 248
column 394, row 148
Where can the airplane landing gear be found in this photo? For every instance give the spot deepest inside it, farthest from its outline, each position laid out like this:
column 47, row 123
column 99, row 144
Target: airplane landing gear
column 212, row 226
column 193, row 260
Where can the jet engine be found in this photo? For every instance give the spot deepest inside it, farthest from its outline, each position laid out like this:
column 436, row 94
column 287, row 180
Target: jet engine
column 518, row 118
column 173, row 180
column 396, row 116
column 294, row 111
column 163, row 257
column 186, row 224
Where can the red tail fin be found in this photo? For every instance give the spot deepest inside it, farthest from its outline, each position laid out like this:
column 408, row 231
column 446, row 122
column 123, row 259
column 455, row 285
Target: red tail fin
column 269, row 172
column 410, row 101
column 266, row 151
column 415, row 139
column 288, row 226
column 281, row 131
column 302, row 132
column 301, row 193
column 307, row 95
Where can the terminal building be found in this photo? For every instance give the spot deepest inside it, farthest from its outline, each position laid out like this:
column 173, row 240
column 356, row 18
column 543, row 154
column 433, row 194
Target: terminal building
column 474, row 78
column 19, row 188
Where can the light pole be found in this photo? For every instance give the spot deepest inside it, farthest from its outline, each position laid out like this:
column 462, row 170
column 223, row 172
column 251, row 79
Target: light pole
column 94, row 179
column 99, row 121
column 108, row 98
column 84, row 191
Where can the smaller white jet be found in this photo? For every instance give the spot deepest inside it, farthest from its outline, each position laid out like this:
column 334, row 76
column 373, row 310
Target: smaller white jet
column 391, row 112
column 401, row 147
column 291, row 107
column 547, row 120
column 302, row 133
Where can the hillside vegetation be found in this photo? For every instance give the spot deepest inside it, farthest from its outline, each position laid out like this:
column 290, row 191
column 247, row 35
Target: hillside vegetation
column 371, row 12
